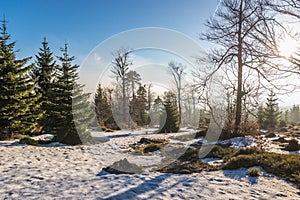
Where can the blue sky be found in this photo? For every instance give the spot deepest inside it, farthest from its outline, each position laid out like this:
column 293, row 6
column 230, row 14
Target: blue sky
column 86, row 23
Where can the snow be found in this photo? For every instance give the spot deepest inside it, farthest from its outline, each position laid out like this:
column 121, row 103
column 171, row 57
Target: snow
column 239, row 142
column 213, row 161
column 75, row 172
column 43, row 137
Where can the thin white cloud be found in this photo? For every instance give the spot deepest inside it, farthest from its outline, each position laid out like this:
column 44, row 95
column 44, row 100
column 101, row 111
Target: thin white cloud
column 97, row 57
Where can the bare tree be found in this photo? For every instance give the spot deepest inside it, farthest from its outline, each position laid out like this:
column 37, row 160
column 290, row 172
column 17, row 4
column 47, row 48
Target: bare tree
column 286, row 7
column 290, row 8
column 120, row 66
column 177, row 71
column 246, row 38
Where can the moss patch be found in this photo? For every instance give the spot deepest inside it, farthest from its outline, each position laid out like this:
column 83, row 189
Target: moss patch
column 147, row 145
column 187, row 167
column 282, row 165
column 285, row 166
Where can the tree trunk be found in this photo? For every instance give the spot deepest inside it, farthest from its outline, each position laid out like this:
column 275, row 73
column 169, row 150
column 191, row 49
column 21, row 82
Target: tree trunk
column 124, row 100
column 179, row 106
column 238, row 114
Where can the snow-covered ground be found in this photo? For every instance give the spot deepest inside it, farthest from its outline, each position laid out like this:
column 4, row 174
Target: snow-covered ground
column 67, row 172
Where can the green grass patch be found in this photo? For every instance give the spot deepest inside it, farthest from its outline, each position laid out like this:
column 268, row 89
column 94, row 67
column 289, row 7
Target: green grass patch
column 254, row 172
column 281, row 165
column 29, row 141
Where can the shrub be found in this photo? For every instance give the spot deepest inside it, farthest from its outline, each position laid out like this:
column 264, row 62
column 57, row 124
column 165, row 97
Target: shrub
column 220, row 151
column 108, row 130
column 282, row 165
column 201, row 133
column 249, row 128
column 244, row 151
column 105, row 129
column 189, row 154
column 189, row 167
column 283, row 129
column 293, row 145
column 254, row 172
column 151, row 148
column 241, row 161
column 282, row 124
column 281, row 140
column 285, row 166
column 270, row 135
column 296, row 178
column 229, row 133
column 153, row 140
column 28, row 140
column 245, row 128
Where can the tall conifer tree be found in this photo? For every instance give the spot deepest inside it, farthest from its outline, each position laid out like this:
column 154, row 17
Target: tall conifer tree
column 71, row 112
column 102, row 105
column 171, row 123
column 271, row 112
column 44, row 74
column 18, row 102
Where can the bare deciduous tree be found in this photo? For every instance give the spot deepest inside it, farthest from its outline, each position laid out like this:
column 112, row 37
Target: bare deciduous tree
column 120, row 66
column 247, row 42
column 177, row 71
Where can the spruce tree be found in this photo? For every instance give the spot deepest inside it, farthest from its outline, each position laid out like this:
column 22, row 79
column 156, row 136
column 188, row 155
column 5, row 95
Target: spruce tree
column 271, row 112
column 18, row 102
column 261, row 117
column 69, row 123
column 138, row 107
column 83, row 116
column 132, row 78
column 295, row 113
column 102, row 106
column 171, row 123
column 155, row 112
column 44, row 74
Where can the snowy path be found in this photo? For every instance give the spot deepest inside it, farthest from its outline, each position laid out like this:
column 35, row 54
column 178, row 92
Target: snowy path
column 29, row 172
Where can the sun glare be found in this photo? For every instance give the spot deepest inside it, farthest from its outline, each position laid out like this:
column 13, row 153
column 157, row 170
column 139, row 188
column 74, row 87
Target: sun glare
column 287, row 47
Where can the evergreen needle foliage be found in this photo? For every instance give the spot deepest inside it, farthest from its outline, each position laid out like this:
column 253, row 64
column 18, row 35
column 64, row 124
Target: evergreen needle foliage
column 44, row 75
column 18, row 101
column 67, row 123
column 171, row 123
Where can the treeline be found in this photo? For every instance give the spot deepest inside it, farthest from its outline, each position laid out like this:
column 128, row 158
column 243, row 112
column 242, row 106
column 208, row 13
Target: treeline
column 127, row 103
column 42, row 97
column 292, row 115
column 144, row 110
column 269, row 116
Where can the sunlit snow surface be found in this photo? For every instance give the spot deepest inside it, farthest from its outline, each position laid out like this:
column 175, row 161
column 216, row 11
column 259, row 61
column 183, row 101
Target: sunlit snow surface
column 75, row 172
